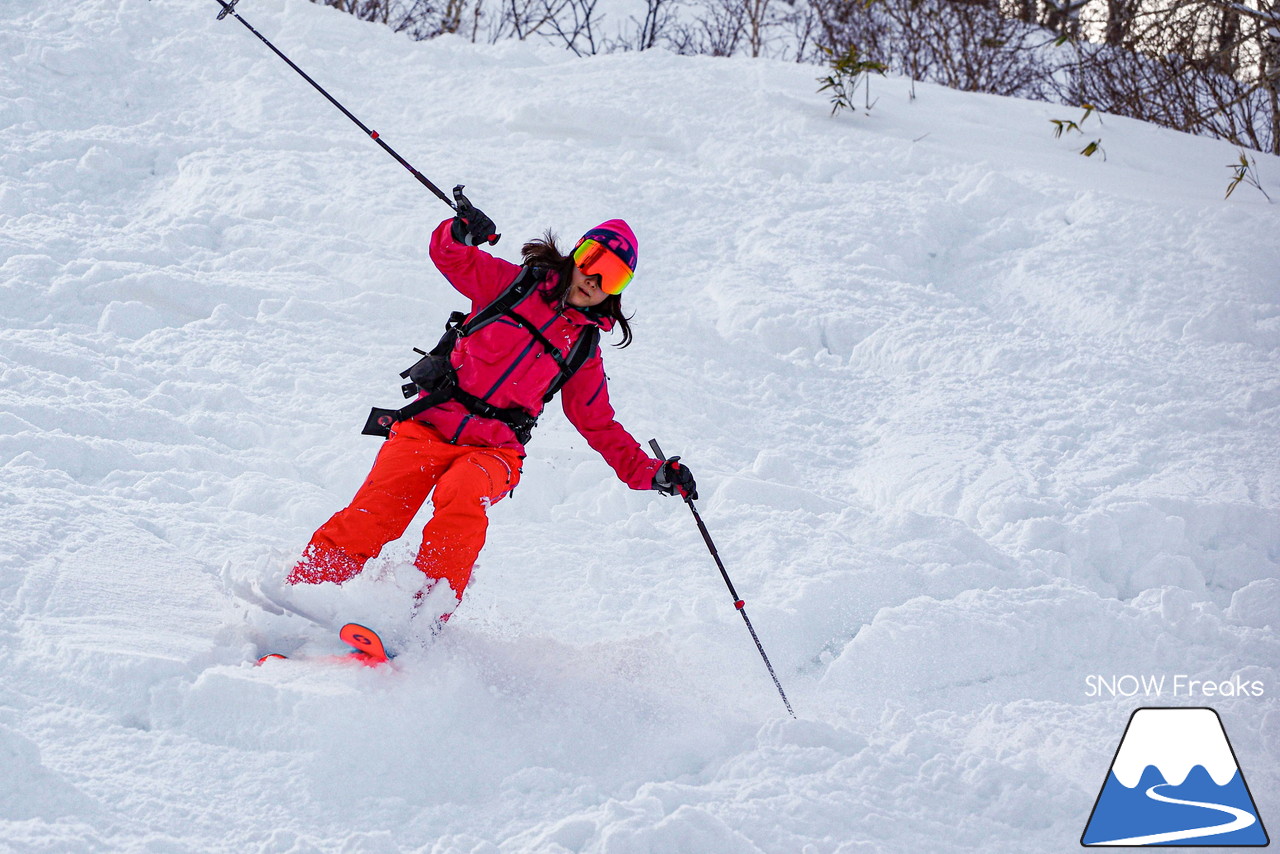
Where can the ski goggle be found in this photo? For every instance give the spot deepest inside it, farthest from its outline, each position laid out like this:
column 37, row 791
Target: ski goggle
column 595, row 259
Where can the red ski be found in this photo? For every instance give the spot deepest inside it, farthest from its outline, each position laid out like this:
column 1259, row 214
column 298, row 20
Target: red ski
column 365, row 641
column 367, row 647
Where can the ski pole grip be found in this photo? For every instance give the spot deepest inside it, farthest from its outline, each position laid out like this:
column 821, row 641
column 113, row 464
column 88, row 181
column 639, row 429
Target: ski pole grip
column 653, row 443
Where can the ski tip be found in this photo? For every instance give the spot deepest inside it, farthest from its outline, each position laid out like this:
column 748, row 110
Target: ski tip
column 364, row 640
column 270, row 656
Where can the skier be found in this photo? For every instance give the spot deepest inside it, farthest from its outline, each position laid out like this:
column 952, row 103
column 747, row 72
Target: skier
column 469, row 447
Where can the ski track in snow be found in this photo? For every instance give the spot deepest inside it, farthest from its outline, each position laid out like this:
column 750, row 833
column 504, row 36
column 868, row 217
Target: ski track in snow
column 973, row 417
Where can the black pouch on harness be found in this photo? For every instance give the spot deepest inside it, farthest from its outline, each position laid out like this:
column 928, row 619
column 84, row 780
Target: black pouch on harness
column 431, row 374
column 433, row 368
column 379, row 423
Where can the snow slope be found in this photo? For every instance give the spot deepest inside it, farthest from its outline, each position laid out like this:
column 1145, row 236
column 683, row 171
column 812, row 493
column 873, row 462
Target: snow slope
column 974, row 418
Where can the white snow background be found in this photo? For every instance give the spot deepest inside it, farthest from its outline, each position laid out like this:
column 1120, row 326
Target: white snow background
column 973, row 418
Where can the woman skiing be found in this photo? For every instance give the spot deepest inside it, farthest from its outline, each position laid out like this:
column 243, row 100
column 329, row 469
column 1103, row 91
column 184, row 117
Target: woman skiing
column 467, row 440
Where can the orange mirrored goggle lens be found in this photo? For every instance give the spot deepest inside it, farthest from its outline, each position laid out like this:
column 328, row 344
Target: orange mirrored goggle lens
column 595, row 259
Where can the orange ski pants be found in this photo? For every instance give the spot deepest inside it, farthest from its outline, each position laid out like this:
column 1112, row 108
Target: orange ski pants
column 416, row 459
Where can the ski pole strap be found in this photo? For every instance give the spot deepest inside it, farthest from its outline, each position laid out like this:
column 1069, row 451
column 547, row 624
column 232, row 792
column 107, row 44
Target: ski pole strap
column 229, row 8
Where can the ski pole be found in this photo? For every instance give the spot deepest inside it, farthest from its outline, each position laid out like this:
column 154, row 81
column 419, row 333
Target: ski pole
column 737, row 602
column 228, row 8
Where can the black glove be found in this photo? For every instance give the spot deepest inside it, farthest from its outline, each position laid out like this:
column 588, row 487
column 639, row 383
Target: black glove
column 673, row 478
column 471, row 227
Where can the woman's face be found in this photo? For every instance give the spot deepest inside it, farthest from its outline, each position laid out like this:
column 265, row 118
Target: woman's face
column 584, row 290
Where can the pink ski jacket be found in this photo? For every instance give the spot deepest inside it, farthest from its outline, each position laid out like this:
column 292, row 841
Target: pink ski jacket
column 502, row 364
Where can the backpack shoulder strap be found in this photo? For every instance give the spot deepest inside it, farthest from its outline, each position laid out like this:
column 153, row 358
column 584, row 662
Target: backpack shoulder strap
column 521, row 286
column 524, row 284
column 582, row 350
column 504, row 306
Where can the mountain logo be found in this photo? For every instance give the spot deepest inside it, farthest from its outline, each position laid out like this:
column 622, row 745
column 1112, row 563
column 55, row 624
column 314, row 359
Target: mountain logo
column 1175, row 781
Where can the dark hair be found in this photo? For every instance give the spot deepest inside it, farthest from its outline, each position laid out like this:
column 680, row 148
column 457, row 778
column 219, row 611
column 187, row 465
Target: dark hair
column 545, row 252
